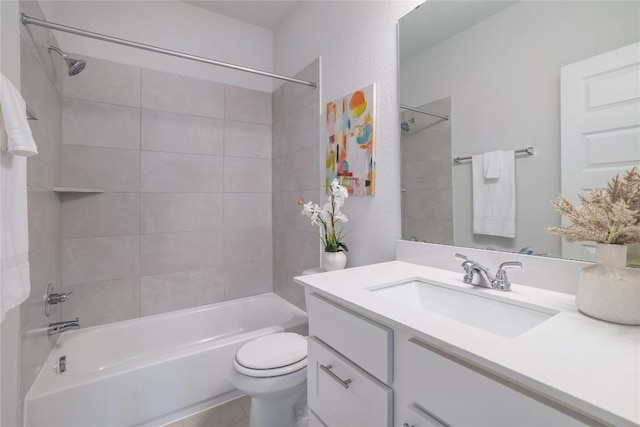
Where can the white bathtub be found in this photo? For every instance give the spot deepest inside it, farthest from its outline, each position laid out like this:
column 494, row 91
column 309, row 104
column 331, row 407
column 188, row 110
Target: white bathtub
column 152, row 370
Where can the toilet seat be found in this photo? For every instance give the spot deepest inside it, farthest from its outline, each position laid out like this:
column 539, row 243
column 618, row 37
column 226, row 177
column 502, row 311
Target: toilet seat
column 272, row 355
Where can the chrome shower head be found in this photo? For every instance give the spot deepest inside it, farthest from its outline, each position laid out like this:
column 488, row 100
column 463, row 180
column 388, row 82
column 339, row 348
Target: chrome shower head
column 75, row 65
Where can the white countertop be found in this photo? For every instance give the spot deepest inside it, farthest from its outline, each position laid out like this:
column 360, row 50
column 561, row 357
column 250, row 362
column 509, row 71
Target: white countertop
column 588, row 365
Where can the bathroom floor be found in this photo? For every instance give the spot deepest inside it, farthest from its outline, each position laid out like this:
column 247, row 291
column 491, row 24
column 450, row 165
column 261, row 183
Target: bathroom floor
column 231, row 414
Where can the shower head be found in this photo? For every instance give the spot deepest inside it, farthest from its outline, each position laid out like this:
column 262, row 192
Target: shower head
column 75, row 65
column 406, row 125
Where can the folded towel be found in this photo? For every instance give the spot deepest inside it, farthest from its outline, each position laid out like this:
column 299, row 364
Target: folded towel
column 494, row 200
column 16, row 133
column 492, row 164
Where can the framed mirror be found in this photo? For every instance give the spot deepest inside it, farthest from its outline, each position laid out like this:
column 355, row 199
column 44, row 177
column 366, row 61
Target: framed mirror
column 490, row 73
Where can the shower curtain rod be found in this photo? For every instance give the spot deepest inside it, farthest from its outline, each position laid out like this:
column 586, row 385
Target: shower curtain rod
column 404, row 107
column 28, row 20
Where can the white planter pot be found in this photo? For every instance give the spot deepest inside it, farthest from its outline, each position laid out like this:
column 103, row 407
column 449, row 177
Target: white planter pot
column 608, row 290
column 334, row 260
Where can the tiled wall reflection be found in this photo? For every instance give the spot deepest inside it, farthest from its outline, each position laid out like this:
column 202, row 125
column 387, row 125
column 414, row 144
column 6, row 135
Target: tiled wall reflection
column 186, row 216
column 296, row 172
column 427, row 197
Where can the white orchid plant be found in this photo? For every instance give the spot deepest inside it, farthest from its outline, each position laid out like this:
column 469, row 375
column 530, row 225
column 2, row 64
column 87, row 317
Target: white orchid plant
column 329, row 217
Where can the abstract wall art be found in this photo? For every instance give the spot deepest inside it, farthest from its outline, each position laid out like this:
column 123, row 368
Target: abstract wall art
column 351, row 142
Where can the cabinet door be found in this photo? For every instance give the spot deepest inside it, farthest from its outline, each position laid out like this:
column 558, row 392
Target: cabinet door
column 342, row 394
column 456, row 394
column 365, row 342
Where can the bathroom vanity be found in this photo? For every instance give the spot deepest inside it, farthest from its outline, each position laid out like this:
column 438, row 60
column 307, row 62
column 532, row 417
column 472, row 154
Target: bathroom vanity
column 406, row 345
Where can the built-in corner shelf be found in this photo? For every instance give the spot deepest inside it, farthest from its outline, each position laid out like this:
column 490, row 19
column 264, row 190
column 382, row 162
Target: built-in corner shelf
column 77, row 190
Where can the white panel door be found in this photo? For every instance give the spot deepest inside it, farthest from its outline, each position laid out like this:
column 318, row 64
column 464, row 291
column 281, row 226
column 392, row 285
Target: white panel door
column 600, row 127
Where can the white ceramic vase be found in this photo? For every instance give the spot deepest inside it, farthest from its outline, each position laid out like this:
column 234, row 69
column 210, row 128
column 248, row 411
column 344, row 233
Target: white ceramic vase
column 608, row 290
column 334, row 260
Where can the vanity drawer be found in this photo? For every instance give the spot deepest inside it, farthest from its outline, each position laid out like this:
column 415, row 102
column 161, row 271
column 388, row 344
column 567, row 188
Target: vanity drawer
column 365, row 342
column 341, row 394
column 454, row 393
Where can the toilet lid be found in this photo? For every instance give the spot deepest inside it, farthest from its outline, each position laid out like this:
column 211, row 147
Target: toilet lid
column 273, row 351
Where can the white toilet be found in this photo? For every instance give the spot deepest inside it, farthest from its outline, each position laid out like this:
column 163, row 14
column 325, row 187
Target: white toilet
column 272, row 370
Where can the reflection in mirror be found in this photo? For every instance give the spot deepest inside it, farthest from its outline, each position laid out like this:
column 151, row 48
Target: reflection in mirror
column 500, row 70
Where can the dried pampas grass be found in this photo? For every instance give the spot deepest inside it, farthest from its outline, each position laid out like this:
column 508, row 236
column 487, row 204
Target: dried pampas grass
column 605, row 216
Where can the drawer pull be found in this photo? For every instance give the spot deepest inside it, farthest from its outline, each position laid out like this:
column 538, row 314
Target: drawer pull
column 327, row 369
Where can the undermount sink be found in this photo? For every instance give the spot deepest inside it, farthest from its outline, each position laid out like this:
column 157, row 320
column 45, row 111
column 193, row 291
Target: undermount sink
column 487, row 312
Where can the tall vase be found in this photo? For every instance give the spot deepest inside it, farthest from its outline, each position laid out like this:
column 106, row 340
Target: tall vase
column 334, row 260
column 608, row 290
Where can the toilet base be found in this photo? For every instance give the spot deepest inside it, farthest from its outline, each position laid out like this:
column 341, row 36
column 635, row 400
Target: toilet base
column 283, row 411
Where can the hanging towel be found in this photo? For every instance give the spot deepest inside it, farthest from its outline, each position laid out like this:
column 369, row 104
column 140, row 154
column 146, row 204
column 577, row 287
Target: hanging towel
column 492, row 164
column 16, row 133
column 15, row 284
column 494, row 200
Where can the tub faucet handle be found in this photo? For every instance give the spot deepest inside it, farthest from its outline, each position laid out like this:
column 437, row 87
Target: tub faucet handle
column 58, row 298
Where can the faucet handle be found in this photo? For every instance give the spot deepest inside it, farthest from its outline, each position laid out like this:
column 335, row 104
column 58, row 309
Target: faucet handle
column 502, row 280
column 462, row 257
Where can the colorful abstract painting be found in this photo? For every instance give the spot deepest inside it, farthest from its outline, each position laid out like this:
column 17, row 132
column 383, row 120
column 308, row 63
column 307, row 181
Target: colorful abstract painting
column 351, row 142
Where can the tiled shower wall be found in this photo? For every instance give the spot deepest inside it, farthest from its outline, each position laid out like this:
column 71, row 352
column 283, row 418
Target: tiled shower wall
column 41, row 83
column 185, row 219
column 296, row 172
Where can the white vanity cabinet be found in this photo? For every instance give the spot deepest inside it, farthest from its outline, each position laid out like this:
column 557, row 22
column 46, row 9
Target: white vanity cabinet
column 363, row 373
column 350, row 367
column 434, row 389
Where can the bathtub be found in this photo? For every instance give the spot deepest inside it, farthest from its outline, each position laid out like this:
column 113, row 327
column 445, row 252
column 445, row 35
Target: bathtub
column 152, row 370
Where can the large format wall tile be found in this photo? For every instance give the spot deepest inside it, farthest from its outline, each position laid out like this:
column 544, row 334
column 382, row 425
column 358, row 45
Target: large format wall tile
column 247, row 105
column 100, row 125
column 104, row 81
column 180, row 94
column 43, row 270
column 44, row 218
column 296, row 171
column 176, row 291
column 172, row 212
column 288, row 214
column 42, row 170
column 244, row 210
column 244, row 280
column 180, row 173
column 247, row 140
column 103, row 302
column 180, row 133
column 99, row 259
column 100, row 215
column 106, row 168
column 247, row 245
column 173, row 252
column 244, row 175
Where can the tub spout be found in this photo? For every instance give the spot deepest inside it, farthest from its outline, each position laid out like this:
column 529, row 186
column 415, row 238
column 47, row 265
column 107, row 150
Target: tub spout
column 60, row 327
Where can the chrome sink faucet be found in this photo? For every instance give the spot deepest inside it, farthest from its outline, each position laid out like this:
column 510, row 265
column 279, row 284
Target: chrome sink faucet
column 478, row 275
column 60, row 327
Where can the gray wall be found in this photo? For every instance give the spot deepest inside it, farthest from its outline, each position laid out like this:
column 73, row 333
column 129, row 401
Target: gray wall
column 296, row 172
column 186, row 216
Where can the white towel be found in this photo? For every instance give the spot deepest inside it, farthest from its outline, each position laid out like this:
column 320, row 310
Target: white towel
column 16, row 133
column 492, row 164
column 494, row 200
column 15, row 284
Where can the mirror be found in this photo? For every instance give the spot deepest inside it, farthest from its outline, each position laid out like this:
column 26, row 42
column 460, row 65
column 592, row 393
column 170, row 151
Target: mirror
column 494, row 67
